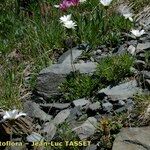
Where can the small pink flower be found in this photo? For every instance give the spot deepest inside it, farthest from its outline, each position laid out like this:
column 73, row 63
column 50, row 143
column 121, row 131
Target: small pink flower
column 65, row 4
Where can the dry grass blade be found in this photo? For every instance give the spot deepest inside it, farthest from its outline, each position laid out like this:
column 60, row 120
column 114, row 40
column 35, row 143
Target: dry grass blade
column 124, row 5
column 143, row 17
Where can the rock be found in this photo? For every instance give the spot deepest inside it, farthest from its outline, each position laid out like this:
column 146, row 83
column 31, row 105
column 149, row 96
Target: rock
column 74, row 113
column 66, row 57
column 63, row 69
column 132, row 42
column 95, row 106
column 128, row 106
column 107, row 106
column 61, row 116
column 59, row 106
column 140, row 65
column 119, row 110
column 80, row 102
column 83, row 117
column 147, row 83
column 121, row 103
column 143, row 46
column 47, row 84
column 131, row 49
column 133, row 70
column 122, row 49
column 122, row 91
column 98, row 52
column 141, row 56
column 33, row 110
column 34, row 137
column 91, row 147
column 146, row 74
column 93, row 109
column 50, row 78
column 50, row 130
column 133, row 139
column 87, row 129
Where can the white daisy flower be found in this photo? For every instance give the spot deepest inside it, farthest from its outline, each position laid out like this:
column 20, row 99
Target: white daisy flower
column 105, row 2
column 65, row 18
column 137, row 33
column 69, row 24
column 14, row 114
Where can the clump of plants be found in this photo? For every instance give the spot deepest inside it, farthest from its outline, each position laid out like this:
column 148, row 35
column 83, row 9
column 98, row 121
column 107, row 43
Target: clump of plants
column 78, row 86
column 107, row 129
column 115, row 68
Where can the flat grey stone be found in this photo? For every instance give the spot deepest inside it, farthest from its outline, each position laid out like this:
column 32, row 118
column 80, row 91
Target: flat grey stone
column 122, row 91
column 33, row 110
column 121, row 103
column 133, row 139
column 146, row 74
column 49, row 130
column 65, row 69
column 81, row 102
column 95, row 106
column 124, row 106
column 50, row 78
column 59, row 106
column 34, row 137
column 87, row 129
column 132, row 42
column 131, row 49
column 129, row 104
column 66, row 57
column 122, row 109
column 74, row 113
column 143, row 46
column 61, row 116
column 122, row 49
column 107, row 106
column 47, row 84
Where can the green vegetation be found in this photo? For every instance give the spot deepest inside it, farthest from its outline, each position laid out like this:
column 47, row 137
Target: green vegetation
column 78, row 86
column 111, row 69
column 115, row 68
column 147, row 58
column 39, row 36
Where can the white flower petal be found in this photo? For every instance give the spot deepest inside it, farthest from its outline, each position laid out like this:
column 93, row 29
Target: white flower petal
column 69, row 24
column 56, row 6
column 6, row 117
column 82, row 1
column 20, row 114
column 137, row 33
column 65, row 18
column 105, row 2
column 131, row 19
column 14, row 114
